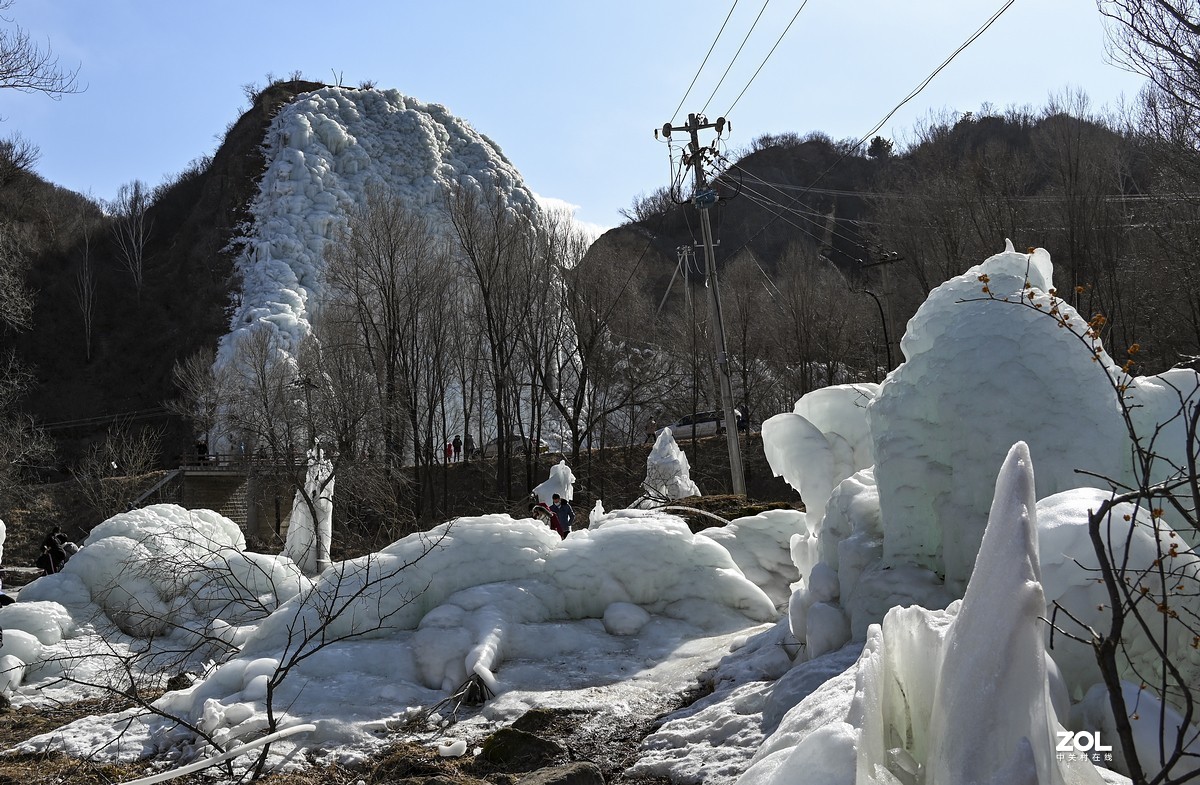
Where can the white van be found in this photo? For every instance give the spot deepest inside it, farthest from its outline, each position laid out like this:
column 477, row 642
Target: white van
column 701, row 424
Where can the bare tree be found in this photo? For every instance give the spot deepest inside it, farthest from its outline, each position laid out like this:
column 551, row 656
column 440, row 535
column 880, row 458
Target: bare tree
column 203, row 389
column 492, row 243
column 85, row 294
column 603, row 366
column 468, row 360
column 554, row 248
column 649, row 206
column 1152, row 602
column 105, row 470
column 17, row 157
column 22, row 443
column 819, row 324
column 131, row 228
column 264, row 411
column 16, row 301
column 27, row 67
column 1160, row 39
column 749, row 292
column 392, row 287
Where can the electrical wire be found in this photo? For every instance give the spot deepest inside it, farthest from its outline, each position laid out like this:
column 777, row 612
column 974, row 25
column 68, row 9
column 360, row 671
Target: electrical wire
column 808, row 214
column 705, row 61
column 735, row 55
column 729, row 111
column 913, row 94
column 904, row 195
column 139, row 414
column 916, row 90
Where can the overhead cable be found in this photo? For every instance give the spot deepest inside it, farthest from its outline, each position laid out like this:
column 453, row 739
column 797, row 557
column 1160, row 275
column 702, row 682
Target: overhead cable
column 735, row 56
column 729, row 111
column 924, row 83
column 705, row 61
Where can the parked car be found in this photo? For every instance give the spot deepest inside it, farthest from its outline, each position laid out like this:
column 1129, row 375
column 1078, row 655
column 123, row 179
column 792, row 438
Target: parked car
column 702, row 424
column 518, row 445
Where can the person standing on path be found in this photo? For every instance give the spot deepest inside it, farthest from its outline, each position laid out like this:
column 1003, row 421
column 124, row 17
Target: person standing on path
column 457, row 448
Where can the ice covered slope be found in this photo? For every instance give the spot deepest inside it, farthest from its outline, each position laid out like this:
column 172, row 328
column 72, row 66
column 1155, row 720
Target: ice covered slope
column 323, row 151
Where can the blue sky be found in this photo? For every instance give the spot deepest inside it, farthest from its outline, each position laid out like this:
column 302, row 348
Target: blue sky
column 571, row 91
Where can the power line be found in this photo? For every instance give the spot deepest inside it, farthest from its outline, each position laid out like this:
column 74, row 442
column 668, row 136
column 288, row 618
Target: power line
column 705, row 61
column 765, row 59
column 819, row 220
column 916, row 90
column 139, row 414
column 924, row 83
column 735, row 56
column 906, row 195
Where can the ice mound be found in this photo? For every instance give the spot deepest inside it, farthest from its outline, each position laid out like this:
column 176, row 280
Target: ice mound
column 158, row 573
column 560, row 481
column 979, row 375
column 907, row 530
column 324, row 150
column 945, row 697
column 668, row 473
column 444, row 623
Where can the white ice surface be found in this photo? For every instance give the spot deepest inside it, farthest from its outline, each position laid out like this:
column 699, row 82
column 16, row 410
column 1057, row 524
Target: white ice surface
column 650, row 603
column 324, row 151
column 668, row 473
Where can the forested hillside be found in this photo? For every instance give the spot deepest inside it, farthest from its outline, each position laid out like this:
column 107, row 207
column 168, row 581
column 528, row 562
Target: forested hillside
column 824, row 250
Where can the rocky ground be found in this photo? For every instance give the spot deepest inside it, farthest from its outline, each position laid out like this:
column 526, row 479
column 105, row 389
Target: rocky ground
column 543, row 747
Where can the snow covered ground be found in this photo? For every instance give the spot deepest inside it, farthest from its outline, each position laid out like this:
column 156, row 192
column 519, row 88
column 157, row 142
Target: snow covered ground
column 892, row 633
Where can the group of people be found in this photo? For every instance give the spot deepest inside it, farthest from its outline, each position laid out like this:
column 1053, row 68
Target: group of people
column 457, row 449
column 56, row 549
column 559, row 515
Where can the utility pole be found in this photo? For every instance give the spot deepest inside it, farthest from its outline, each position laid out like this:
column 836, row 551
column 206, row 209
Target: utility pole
column 703, row 198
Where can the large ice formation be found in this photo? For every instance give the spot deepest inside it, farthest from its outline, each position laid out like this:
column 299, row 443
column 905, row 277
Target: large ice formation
column 310, row 526
column 404, row 625
column 948, row 697
column 158, row 572
column 982, row 368
column 668, row 473
column 560, row 481
column 324, row 151
column 986, row 364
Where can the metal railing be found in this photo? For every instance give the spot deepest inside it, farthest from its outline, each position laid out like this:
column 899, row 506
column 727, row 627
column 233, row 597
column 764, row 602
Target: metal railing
column 237, row 462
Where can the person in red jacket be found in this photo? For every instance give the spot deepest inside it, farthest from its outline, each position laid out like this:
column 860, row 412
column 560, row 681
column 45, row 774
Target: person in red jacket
column 543, row 513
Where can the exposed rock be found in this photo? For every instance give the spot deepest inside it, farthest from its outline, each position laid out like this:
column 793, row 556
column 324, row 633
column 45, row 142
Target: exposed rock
column 517, row 750
column 180, row 681
column 549, row 722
